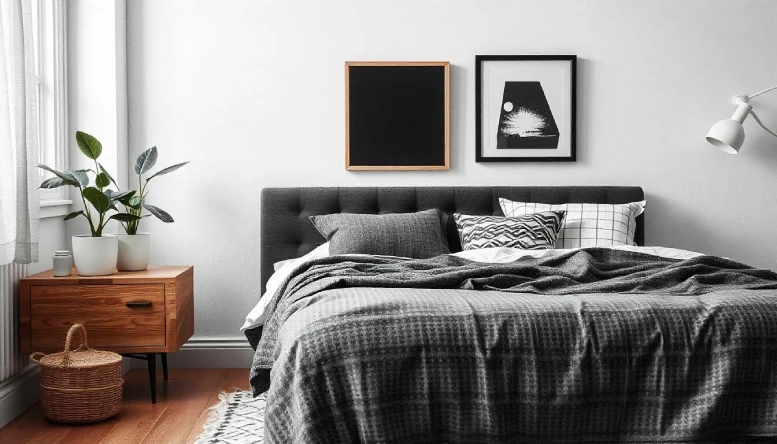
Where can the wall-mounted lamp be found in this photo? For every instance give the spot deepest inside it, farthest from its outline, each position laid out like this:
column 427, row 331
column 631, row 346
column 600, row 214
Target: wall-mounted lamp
column 728, row 135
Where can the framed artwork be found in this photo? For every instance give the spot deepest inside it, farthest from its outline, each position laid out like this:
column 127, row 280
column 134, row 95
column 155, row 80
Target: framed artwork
column 397, row 115
column 525, row 108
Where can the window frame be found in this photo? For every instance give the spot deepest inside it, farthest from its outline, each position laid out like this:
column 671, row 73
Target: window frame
column 52, row 99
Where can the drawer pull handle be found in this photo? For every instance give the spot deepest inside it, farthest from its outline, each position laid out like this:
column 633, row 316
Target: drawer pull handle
column 139, row 304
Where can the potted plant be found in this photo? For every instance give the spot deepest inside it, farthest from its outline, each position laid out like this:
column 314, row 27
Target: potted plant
column 134, row 246
column 94, row 254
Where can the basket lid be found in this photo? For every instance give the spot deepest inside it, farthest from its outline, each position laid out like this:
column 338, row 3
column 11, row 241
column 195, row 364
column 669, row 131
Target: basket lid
column 82, row 357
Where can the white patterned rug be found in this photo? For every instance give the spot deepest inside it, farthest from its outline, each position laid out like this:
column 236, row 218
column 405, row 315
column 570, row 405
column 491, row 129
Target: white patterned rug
column 237, row 419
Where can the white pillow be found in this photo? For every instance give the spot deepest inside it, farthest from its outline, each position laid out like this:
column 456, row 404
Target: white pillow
column 586, row 224
column 282, row 270
column 277, row 266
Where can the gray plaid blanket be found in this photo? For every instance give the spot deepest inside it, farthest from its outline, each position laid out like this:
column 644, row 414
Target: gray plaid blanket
column 593, row 346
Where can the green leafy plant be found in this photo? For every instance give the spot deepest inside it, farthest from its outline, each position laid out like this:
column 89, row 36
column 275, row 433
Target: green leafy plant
column 136, row 203
column 101, row 198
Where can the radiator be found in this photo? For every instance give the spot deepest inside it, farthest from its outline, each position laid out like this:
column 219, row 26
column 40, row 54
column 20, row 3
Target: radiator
column 11, row 361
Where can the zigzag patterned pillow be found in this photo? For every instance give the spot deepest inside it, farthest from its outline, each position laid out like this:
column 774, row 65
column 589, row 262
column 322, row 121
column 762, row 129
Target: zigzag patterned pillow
column 586, row 224
column 536, row 231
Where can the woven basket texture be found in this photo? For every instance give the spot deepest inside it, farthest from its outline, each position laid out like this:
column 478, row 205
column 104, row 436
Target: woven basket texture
column 81, row 385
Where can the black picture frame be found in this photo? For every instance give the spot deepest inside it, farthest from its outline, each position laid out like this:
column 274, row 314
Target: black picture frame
column 479, row 131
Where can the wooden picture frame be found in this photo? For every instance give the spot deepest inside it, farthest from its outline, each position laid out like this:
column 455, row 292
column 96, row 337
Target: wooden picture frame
column 397, row 116
column 525, row 108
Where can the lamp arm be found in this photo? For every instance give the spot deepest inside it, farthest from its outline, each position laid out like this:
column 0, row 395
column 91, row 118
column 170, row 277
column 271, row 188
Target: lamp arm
column 761, row 92
column 758, row 120
column 755, row 116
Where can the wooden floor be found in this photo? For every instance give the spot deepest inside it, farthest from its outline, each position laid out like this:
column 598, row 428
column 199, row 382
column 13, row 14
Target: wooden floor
column 177, row 417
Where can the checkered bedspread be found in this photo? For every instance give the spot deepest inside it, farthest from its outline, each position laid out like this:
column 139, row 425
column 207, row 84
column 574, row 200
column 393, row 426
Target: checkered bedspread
column 592, row 346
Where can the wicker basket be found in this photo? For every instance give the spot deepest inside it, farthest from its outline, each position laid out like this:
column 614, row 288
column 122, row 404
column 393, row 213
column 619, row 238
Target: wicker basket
column 79, row 386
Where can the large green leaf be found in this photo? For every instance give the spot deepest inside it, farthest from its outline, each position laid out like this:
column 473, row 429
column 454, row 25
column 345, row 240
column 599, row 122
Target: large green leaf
column 60, row 174
column 134, row 202
column 146, row 160
column 127, row 200
column 122, row 196
column 167, row 170
column 102, row 180
column 159, row 213
column 79, row 176
column 109, row 194
column 99, row 201
column 104, row 171
column 54, row 182
column 89, row 145
column 124, row 217
column 75, row 214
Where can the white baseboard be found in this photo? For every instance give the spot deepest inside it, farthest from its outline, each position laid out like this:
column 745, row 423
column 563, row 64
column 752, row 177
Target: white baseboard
column 209, row 353
column 18, row 394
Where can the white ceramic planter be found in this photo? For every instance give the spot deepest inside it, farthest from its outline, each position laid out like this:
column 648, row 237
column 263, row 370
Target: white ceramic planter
column 95, row 256
column 134, row 251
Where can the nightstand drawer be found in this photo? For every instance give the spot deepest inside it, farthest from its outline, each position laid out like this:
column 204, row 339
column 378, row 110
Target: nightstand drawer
column 131, row 315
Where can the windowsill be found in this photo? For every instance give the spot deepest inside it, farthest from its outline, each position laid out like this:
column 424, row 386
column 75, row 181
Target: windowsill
column 54, row 207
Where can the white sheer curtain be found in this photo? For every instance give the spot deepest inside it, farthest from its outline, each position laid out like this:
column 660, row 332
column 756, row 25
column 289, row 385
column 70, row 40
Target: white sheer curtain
column 19, row 204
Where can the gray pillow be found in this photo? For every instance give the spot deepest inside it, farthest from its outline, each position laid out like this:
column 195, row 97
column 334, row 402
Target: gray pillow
column 416, row 235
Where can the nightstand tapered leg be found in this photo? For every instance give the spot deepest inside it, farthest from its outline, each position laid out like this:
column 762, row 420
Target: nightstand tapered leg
column 151, row 357
column 164, row 365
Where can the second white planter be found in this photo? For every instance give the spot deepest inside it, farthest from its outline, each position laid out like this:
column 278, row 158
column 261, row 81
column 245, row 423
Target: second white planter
column 134, row 251
column 95, row 256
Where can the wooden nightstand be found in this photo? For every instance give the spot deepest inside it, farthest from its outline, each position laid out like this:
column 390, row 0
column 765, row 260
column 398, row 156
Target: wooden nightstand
column 139, row 314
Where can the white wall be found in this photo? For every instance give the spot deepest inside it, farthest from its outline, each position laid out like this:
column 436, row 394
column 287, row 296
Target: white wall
column 252, row 93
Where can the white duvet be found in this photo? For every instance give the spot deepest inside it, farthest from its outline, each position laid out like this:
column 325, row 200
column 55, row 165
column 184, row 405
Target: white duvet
column 488, row 255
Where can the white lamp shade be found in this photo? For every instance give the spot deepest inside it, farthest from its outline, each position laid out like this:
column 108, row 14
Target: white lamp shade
column 728, row 135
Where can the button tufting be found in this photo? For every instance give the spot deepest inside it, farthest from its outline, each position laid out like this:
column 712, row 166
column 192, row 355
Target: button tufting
column 286, row 232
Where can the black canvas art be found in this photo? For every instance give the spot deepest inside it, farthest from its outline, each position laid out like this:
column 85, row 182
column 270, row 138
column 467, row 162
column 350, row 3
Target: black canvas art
column 526, row 120
column 397, row 116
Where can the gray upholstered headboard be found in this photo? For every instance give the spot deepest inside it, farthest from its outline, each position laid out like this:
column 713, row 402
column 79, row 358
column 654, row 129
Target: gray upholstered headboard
column 288, row 233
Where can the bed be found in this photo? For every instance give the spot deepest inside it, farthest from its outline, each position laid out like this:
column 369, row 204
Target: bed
column 663, row 350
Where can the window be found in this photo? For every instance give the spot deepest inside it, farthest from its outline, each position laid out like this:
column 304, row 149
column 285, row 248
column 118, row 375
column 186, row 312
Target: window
column 49, row 22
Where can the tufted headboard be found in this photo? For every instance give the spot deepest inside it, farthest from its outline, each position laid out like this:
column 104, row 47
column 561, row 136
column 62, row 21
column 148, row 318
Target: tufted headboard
column 287, row 232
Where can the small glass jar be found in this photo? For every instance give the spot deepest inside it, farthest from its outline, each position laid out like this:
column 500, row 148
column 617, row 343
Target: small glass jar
column 63, row 263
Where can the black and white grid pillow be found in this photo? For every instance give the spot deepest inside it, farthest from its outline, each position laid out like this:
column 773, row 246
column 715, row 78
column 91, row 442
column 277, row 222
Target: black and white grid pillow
column 586, row 224
column 536, row 231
